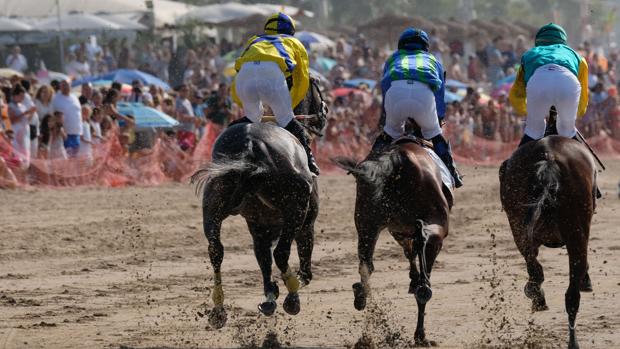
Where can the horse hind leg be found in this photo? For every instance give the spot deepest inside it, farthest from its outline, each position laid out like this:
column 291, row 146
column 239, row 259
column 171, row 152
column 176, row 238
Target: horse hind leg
column 262, row 238
column 305, row 240
column 586, row 284
column 427, row 243
column 577, row 256
column 533, row 288
column 217, row 316
column 367, row 235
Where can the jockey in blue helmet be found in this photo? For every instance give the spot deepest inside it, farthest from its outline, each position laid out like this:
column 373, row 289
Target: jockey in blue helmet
column 413, row 87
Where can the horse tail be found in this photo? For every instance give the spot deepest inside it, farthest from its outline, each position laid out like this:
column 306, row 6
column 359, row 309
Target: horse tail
column 375, row 172
column 242, row 166
column 545, row 187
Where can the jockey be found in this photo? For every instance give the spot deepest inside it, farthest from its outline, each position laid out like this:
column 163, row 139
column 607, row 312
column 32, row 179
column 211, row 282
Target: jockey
column 274, row 69
column 413, row 86
column 551, row 74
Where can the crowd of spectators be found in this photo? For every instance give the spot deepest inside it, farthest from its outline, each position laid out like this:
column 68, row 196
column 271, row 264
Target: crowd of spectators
column 50, row 121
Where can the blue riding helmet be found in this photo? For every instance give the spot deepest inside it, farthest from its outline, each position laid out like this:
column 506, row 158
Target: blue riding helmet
column 413, row 39
column 280, row 23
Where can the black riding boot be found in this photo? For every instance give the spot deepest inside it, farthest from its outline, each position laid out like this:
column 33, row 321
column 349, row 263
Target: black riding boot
column 382, row 141
column 525, row 139
column 242, row 120
column 298, row 131
column 442, row 148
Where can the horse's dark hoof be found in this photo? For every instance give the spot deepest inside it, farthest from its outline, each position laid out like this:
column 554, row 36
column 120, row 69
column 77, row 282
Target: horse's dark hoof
column 539, row 306
column 586, row 285
column 424, row 343
column 217, row 317
column 573, row 344
column 267, row 308
column 273, row 288
column 304, row 278
column 360, row 296
column 423, row 293
column 292, row 305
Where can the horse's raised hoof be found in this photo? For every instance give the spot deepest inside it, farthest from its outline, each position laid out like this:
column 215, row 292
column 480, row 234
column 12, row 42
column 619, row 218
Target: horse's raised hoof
column 537, row 295
column 360, row 296
column 586, row 284
column 268, row 308
column 217, row 317
column 304, row 278
column 423, row 293
column 292, row 305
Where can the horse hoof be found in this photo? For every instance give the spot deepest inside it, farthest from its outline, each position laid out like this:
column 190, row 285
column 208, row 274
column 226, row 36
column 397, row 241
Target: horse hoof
column 539, row 306
column 267, row 308
column 586, row 285
column 360, row 296
column 217, row 317
column 304, row 278
column 424, row 343
column 533, row 291
column 292, row 305
column 573, row 344
column 423, row 293
column 273, row 288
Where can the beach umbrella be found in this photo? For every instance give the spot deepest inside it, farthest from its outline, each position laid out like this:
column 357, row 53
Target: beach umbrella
column 450, row 97
column 8, row 73
column 355, row 83
column 312, row 40
column 456, row 84
column 13, row 25
column 323, row 64
column 126, row 89
column 126, row 76
column 146, row 117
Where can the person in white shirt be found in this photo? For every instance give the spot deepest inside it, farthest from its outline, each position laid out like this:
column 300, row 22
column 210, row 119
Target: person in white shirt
column 20, row 117
column 16, row 60
column 86, row 140
column 69, row 105
column 34, row 120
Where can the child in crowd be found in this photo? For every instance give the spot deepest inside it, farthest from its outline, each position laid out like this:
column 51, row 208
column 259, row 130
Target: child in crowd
column 95, row 123
column 57, row 137
column 86, row 141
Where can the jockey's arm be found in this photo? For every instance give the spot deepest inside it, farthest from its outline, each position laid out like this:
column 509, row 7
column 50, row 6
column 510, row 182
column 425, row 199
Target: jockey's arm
column 582, row 76
column 440, row 93
column 517, row 95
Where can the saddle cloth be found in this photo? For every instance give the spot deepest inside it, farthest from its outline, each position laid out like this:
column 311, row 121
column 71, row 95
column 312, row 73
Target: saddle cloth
column 446, row 177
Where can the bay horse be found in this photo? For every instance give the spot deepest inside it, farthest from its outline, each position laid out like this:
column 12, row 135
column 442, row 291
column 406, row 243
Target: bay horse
column 260, row 171
column 400, row 189
column 548, row 190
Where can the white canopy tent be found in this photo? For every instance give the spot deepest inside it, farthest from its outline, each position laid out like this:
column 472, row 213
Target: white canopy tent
column 234, row 11
column 75, row 22
column 165, row 11
column 13, row 25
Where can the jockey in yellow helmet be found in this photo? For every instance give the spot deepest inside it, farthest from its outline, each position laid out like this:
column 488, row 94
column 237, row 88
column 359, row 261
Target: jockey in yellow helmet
column 274, row 69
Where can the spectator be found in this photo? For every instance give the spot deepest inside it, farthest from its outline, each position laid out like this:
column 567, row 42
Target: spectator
column 43, row 101
column 34, row 119
column 86, row 93
column 86, row 140
column 58, row 137
column 185, row 115
column 95, row 124
column 16, row 60
column 495, row 61
column 5, row 122
column 69, row 105
column 20, row 116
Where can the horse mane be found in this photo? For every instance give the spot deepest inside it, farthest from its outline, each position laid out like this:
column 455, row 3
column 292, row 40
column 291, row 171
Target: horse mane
column 545, row 186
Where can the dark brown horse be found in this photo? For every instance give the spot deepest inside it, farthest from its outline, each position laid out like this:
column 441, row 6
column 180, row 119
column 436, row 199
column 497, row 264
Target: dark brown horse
column 548, row 190
column 260, row 171
column 400, row 189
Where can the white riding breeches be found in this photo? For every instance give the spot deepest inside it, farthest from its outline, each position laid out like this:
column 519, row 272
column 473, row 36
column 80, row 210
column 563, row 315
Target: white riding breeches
column 552, row 85
column 410, row 99
column 263, row 82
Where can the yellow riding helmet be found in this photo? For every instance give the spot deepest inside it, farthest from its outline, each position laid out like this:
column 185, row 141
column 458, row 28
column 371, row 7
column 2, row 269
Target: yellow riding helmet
column 280, row 23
